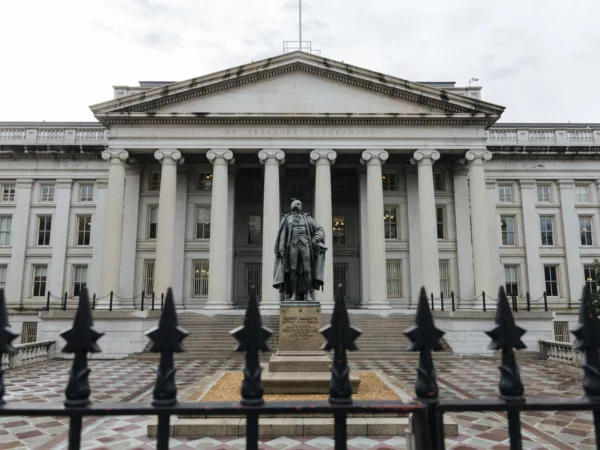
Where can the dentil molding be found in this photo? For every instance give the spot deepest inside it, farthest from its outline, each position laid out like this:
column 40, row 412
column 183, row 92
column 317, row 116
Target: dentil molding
column 276, row 155
column 326, row 155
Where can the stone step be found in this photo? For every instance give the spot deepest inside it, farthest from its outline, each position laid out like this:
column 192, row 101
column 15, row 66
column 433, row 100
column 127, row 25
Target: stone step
column 293, row 426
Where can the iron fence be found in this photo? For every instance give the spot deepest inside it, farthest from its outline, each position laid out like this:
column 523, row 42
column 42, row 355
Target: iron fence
column 340, row 337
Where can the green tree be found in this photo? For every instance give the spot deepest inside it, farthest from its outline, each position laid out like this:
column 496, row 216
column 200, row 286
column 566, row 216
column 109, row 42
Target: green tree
column 596, row 278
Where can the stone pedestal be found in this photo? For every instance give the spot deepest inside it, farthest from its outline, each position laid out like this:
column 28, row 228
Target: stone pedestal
column 300, row 366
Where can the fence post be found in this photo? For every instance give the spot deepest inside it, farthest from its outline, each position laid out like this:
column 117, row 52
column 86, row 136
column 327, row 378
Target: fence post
column 452, row 297
column 483, row 296
column 48, row 301
column 162, row 301
column 94, row 301
column 545, row 301
column 528, row 302
column 65, row 302
column 142, row 300
column 432, row 304
column 442, row 300
column 111, row 301
column 153, row 297
column 515, row 304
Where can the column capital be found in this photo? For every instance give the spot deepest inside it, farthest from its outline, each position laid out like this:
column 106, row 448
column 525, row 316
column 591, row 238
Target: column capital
column 168, row 156
column 374, row 156
column 478, row 156
column 323, row 156
column 425, row 156
column 115, row 155
column 220, row 156
column 276, row 156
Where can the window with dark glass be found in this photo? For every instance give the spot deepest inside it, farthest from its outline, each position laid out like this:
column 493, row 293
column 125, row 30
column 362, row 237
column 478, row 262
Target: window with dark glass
column 511, row 275
column 551, row 279
column 254, row 230
column 389, row 181
column 508, row 230
column 438, row 181
column 205, row 181
column 547, row 230
column 79, row 279
column 40, row 275
column 44, row 229
column 590, row 277
column 505, row 193
column 544, row 193
column 440, row 213
column 154, row 184
column 152, row 222
column 339, row 230
column 203, row 222
column 390, row 218
column 585, row 230
column 84, row 229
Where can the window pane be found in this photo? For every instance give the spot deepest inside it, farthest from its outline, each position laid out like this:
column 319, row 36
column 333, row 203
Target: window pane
column 154, row 181
column 438, row 181
column 582, row 194
column 511, row 276
column 505, row 194
column 590, row 277
column 390, row 222
column 148, row 276
column 394, row 277
column 8, row 192
column 44, row 228
column 200, row 277
column 508, row 230
column 205, row 181
column 47, row 193
column 550, row 275
column 152, row 222
column 547, row 230
column 585, row 230
column 3, row 271
column 339, row 230
column 440, row 212
column 86, row 192
column 445, row 285
column 39, row 281
column 84, row 229
column 543, row 192
column 389, row 181
column 5, row 229
column 254, row 230
column 79, row 279
column 203, row 222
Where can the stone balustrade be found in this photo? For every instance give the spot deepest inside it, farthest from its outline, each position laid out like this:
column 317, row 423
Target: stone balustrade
column 543, row 137
column 30, row 353
column 561, row 352
column 87, row 134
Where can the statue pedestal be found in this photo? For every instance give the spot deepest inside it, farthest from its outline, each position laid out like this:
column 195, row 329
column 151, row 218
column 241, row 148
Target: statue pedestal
column 300, row 366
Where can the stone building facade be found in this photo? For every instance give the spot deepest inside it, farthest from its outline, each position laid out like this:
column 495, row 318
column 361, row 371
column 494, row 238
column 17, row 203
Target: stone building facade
column 183, row 184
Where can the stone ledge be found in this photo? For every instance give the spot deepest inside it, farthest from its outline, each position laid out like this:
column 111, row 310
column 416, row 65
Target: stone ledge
column 302, row 382
column 56, row 314
column 484, row 315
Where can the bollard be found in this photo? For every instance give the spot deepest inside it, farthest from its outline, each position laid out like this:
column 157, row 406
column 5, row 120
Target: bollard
column 142, row 300
column 515, row 305
column 162, row 301
column 432, row 304
column 442, row 300
column 111, row 301
column 94, row 301
column 545, row 301
column 483, row 296
column 528, row 302
column 153, row 297
column 65, row 302
column 452, row 297
column 48, row 301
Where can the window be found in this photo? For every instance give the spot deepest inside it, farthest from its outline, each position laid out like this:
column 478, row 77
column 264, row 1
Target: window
column 154, row 184
column 8, row 192
column 505, row 193
column 390, row 222
column 590, row 277
column 40, row 274
column 205, row 181
column 394, row 277
column 582, row 193
column 438, row 181
column 508, row 230
column 200, row 277
column 585, row 230
column 47, row 193
column 44, row 228
column 544, row 193
column 440, row 214
column 5, row 229
column 551, row 279
column 203, row 222
column 152, row 222
column 561, row 331
column 389, row 181
column 28, row 332
column 3, row 271
column 84, row 229
column 445, row 284
column 340, row 276
column 339, row 230
column 296, row 191
column 511, row 275
column 547, row 230
column 148, row 276
column 79, row 279
column 254, row 230
column 86, row 192
column 253, row 278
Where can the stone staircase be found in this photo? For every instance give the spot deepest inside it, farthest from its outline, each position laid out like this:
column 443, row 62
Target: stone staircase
column 209, row 339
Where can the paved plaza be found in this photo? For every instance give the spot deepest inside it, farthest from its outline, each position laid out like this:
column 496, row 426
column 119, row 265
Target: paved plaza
column 131, row 380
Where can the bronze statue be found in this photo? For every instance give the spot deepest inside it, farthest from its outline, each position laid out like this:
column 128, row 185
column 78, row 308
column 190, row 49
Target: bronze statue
column 300, row 255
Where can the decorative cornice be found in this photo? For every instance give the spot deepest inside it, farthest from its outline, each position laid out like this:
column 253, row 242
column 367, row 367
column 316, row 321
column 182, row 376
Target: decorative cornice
column 275, row 155
column 320, row 156
column 373, row 156
column 220, row 156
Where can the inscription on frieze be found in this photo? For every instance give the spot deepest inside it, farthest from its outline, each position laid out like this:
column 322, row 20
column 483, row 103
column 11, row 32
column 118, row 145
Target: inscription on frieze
column 306, row 132
column 299, row 328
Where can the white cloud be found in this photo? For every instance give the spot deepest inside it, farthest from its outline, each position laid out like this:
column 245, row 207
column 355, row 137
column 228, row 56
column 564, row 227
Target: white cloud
column 539, row 58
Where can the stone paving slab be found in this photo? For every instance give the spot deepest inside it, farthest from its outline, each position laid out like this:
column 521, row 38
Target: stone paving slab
column 132, row 380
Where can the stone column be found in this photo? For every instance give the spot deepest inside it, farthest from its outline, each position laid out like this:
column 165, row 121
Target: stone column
column 481, row 238
column 364, row 237
column 179, row 241
column 323, row 159
column 414, row 237
column 572, row 244
column 464, row 240
column 531, row 227
column 113, row 224
column 374, row 159
column 218, row 293
column 96, row 236
column 167, row 206
column 271, row 219
column 430, row 263
column 130, row 231
column 18, row 242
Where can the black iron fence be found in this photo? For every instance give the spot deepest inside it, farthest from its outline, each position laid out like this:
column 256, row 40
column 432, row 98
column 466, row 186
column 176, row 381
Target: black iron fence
column 340, row 337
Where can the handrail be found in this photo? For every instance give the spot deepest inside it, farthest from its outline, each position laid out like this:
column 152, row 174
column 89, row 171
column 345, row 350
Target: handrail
column 29, row 353
column 561, row 352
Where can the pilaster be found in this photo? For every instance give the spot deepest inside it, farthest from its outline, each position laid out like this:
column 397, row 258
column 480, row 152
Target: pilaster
column 130, row 230
column 271, row 159
column 414, row 235
column 58, row 237
column 323, row 159
column 97, row 234
column 179, row 237
column 374, row 159
column 531, row 226
column 572, row 240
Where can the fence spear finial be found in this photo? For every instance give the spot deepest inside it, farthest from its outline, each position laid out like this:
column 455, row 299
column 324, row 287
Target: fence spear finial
column 425, row 338
column 80, row 340
column 506, row 336
column 587, row 340
column 167, row 338
column 6, row 338
column 252, row 336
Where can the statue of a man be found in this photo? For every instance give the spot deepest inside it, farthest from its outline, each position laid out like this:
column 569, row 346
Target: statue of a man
column 300, row 255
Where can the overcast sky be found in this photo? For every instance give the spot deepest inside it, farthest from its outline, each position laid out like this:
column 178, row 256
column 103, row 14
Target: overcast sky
column 539, row 58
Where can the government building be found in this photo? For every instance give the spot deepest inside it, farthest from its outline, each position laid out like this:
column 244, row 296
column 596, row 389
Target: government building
column 184, row 184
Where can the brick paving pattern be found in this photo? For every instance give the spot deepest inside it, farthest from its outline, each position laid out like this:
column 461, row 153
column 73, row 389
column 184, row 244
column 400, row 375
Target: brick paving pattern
column 131, row 380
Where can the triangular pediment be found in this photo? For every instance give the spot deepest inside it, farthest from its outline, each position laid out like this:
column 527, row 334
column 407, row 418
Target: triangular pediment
column 296, row 85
